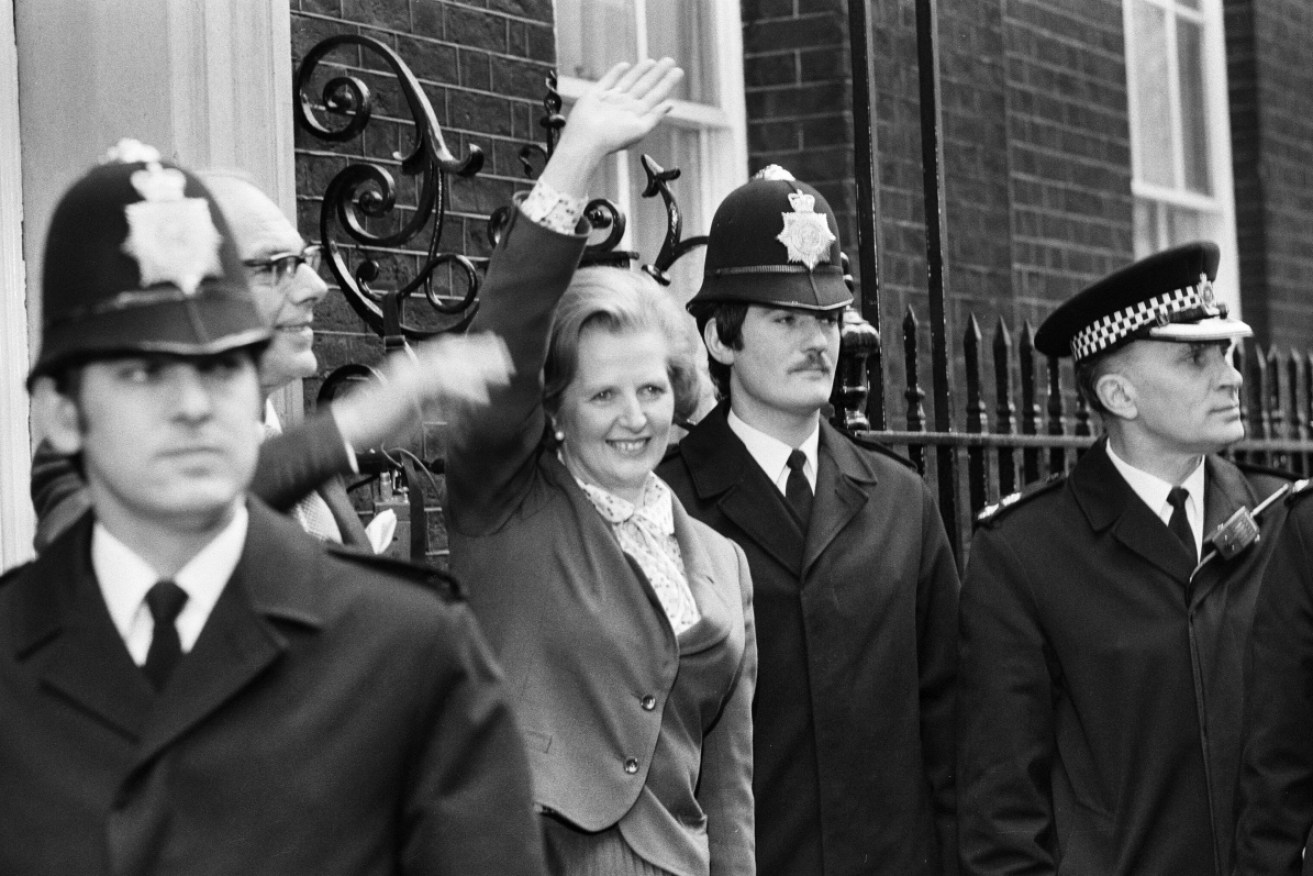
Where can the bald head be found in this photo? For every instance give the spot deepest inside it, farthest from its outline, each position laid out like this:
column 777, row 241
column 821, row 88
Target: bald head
column 263, row 234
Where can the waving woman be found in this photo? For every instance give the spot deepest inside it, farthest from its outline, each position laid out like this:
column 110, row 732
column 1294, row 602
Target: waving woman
column 623, row 625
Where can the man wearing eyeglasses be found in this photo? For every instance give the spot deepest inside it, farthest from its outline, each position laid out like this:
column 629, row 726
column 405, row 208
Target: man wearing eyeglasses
column 300, row 471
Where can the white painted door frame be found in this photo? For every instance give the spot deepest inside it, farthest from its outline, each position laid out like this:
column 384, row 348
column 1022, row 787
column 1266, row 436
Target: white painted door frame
column 15, row 448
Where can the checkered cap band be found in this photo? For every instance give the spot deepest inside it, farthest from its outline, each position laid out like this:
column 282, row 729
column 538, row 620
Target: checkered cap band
column 1108, row 330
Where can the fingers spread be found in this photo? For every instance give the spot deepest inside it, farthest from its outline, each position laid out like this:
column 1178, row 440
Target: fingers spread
column 613, row 75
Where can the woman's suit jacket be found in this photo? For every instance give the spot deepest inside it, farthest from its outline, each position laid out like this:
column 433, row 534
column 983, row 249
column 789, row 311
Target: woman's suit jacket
column 590, row 658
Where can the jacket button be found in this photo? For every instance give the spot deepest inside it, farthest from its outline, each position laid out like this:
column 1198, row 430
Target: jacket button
column 648, row 703
column 631, row 765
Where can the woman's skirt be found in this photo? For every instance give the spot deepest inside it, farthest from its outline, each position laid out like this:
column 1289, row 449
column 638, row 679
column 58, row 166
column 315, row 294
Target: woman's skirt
column 573, row 852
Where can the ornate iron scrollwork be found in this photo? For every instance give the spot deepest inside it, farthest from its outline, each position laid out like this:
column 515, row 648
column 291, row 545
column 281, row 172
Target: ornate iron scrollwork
column 672, row 248
column 551, row 122
column 364, row 191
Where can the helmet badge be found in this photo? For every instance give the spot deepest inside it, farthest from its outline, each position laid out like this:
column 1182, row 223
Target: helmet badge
column 171, row 236
column 805, row 234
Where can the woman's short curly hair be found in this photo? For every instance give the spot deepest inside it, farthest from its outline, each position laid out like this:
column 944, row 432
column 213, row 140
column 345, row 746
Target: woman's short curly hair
column 621, row 302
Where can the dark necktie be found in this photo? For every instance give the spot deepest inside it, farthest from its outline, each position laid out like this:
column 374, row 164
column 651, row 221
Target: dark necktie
column 164, row 600
column 797, row 490
column 1179, row 524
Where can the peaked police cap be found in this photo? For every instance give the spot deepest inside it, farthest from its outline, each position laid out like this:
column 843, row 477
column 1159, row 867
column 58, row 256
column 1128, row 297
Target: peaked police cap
column 1168, row 296
column 774, row 241
column 139, row 259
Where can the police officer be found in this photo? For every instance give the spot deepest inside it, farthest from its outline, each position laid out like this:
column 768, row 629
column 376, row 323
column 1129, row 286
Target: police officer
column 854, row 584
column 1102, row 632
column 190, row 682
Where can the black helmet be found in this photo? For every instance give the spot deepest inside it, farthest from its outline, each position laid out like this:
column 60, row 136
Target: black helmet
column 774, row 241
column 139, row 259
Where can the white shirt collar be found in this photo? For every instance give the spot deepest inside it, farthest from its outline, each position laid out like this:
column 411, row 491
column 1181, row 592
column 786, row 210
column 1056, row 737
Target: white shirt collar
column 1153, row 491
column 124, row 578
column 772, row 454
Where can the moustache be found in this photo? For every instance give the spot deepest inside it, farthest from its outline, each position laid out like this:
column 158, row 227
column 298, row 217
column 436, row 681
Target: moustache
column 814, row 362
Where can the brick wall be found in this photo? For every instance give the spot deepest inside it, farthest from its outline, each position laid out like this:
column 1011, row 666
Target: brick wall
column 483, row 69
column 1271, row 85
column 1034, row 137
column 798, row 95
column 1069, row 132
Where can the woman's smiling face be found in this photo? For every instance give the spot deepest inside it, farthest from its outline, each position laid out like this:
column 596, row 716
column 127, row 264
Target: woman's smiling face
column 616, row 413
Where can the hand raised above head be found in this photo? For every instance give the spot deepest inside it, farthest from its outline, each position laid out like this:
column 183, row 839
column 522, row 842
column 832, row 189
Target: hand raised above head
column 623, row 106
column 616, row 112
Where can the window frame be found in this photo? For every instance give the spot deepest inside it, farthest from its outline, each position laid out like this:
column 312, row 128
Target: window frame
column 722, row 152
column 1221, row 204
column 17, row 521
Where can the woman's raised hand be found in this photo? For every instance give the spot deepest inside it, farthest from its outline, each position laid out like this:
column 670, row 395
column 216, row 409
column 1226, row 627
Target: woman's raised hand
column 624, row 105
column 618, row 110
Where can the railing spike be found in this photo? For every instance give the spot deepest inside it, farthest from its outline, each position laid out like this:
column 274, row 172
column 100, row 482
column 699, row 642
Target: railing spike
column 977, row 471
column 1030, row 411
column 1057, row 425
column 1005, row 411
column 914, row 394
column 1274, row 398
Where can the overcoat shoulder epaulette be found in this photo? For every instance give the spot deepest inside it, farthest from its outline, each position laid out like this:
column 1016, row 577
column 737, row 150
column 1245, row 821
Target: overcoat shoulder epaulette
column 991, row 514
column 879, row 447
column 1249, row 468
column 440, row 582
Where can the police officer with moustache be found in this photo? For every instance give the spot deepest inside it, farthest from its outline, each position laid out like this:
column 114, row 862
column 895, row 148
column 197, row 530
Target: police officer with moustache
column 190, row 682
column 854, row 584
column 1102, row 634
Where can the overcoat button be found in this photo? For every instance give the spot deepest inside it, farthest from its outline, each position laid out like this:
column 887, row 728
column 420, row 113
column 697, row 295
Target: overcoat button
column 648, row 703
column 631, row 765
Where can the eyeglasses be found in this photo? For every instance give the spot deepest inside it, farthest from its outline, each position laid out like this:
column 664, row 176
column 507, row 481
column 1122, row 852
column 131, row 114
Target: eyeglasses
column 281, row 267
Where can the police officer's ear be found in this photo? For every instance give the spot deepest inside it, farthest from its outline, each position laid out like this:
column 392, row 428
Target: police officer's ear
column 1117, row 394
column 57, row 416
column 717, row 349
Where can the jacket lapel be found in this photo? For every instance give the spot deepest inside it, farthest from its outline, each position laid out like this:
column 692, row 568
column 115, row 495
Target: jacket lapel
column 61, row 620
column 722, row 471
column 843, row 486
column 711, row 595
column 1109, row 502
column 275, row 579
column 1225, row 491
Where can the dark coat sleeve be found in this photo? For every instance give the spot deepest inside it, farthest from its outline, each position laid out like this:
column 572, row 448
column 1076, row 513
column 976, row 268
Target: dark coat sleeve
column 468, row 807
column 937, row 613
column 1276, row 778
column 1005, row 719
column 492, row 449
column 299, row 461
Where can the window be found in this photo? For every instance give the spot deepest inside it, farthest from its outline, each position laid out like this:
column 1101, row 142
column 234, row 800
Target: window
column 1180, row 130
column 705, row 136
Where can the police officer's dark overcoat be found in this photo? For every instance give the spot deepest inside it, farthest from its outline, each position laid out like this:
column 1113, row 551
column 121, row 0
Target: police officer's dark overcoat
column 853, row 715
column 1100, row 697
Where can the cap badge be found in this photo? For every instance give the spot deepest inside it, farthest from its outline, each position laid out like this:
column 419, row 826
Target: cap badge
column 1206, row 292
column 171, row 236
column 805, row 234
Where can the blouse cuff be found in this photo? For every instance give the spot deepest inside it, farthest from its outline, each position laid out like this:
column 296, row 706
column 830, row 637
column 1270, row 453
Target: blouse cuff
column 553, row 210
